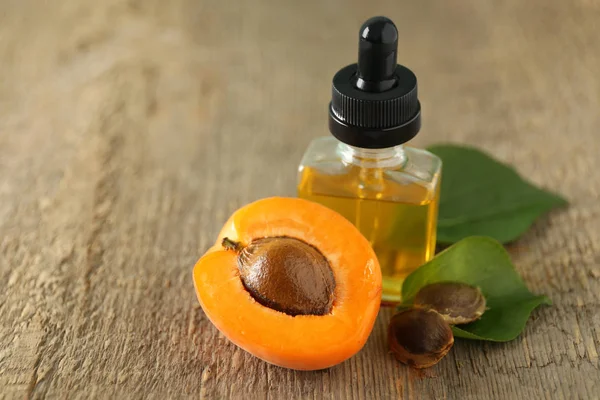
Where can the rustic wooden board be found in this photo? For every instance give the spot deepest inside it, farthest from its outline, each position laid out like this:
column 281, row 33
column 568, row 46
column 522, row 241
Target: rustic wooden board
column 130, row 130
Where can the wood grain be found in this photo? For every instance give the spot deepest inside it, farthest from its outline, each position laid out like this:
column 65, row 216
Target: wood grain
column 130, row 130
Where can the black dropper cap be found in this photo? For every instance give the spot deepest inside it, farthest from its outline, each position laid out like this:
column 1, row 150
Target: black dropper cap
column 374, row 103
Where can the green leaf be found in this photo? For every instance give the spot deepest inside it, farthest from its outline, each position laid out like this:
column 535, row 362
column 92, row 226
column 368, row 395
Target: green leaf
column 481, row 196
column 481, row 262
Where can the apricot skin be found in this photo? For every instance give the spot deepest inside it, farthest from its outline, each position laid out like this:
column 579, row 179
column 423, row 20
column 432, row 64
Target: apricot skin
column 303, row 342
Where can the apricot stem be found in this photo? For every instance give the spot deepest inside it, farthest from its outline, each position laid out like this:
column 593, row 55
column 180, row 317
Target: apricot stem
column 231, row 245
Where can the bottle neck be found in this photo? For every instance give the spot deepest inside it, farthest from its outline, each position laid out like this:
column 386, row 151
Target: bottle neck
column 372, row 158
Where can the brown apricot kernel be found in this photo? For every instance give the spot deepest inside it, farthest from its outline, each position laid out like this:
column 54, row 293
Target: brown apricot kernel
column 419, row 337
column 459, row 303
column 286, row 274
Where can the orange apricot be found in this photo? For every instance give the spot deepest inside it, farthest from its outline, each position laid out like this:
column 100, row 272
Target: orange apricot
column 291, row 282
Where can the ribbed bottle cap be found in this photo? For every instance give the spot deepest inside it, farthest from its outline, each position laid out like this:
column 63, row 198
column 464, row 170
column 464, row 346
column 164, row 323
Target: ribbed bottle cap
column 374, row 103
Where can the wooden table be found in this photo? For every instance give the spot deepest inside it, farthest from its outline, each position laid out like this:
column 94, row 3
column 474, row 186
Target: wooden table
column 130, row 130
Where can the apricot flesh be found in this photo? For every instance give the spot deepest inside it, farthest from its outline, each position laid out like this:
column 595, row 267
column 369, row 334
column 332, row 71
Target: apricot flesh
column 341, row 318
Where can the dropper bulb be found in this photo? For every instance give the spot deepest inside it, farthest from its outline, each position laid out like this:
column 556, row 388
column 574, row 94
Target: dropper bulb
column 377, row 55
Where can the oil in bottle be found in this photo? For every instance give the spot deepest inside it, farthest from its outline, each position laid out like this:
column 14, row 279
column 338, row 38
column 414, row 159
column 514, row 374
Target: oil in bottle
column 364, row 172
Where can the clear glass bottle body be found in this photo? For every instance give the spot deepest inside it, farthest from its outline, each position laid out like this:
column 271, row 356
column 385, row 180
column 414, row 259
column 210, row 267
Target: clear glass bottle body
column 390, row 194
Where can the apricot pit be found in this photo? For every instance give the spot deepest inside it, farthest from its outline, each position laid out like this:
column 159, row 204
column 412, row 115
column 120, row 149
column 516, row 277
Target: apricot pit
column 457, row 302
column 419, row 337
column 286, row 274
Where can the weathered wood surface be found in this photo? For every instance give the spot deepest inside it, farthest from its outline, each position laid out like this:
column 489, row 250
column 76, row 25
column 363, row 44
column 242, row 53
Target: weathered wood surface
column 130, row 130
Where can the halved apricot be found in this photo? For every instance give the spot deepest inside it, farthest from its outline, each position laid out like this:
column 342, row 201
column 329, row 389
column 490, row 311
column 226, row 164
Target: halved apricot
column 291, row 282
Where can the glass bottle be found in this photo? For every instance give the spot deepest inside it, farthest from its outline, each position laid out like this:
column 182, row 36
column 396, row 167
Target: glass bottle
column 364, row 171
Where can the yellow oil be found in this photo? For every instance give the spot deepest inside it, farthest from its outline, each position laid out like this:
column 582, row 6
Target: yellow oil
column 402, row 233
